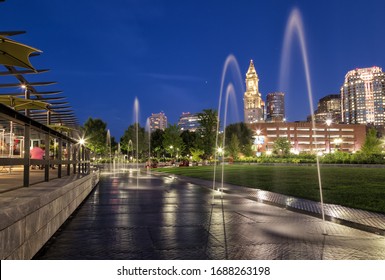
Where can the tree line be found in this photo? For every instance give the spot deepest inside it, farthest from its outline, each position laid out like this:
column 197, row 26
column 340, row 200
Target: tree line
column 202, row 144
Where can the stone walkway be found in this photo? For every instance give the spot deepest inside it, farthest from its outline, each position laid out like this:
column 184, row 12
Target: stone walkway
column 165, row 217
column 360, row 219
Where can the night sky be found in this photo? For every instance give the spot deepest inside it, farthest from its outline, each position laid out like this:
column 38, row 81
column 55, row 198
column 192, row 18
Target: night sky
column 171, row 54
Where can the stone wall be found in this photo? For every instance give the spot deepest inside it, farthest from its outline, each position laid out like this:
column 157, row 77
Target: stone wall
column 30, row 216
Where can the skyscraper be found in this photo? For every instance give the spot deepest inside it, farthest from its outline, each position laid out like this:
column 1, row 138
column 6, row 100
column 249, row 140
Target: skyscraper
column 275, row 107
column 252, row 100
column 329, row 107
column 158, row 121
column 363, row 96
column 188, row 121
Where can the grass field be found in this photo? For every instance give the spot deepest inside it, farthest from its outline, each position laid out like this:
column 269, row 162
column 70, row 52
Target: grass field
column 356, row 187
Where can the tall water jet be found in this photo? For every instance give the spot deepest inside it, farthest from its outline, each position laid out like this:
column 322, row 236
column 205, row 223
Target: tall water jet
column 295, row 26
column 230, row 63
column 130, row 147
column 136, row 113
column 230, row 91
column 108, row 143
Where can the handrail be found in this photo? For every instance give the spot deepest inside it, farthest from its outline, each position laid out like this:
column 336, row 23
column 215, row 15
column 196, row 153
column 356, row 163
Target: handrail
column 77, row 155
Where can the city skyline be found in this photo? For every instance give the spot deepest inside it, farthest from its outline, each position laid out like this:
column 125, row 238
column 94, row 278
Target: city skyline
column 170, row 55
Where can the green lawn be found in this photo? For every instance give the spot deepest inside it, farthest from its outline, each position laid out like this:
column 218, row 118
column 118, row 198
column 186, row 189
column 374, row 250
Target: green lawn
column 362, row 188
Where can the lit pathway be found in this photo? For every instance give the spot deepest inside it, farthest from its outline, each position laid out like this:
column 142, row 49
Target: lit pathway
column 156, row 217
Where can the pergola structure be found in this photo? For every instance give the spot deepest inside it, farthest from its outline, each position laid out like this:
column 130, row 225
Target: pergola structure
column 32, row 117
column 57, row 113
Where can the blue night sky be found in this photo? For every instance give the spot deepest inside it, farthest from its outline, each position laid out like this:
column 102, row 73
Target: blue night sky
column 171, row 54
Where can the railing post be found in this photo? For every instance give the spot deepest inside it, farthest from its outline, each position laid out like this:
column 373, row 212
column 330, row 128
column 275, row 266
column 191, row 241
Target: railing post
column 83, row 159
column 79, row 159
column 68, row 157
column 88, row 157
column 27, row 141
column 59, row 156
column 46, row 157
column 74, row 158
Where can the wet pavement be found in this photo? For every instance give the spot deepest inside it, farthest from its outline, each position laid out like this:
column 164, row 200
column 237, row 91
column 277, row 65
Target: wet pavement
column 162, row 217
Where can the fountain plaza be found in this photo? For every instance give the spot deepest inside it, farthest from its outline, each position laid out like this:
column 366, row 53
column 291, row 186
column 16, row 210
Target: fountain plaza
column 147, row 216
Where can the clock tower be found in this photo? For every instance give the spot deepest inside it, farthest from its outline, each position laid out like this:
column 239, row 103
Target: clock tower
column 252, row 100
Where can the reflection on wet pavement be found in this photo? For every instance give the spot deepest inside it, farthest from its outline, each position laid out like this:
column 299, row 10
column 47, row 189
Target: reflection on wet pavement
column 158, row 217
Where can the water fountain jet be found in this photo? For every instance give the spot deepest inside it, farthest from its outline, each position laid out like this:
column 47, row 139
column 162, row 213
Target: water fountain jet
column 108, row 143
column 136, row 112
column 295, row 26
column 230, row 63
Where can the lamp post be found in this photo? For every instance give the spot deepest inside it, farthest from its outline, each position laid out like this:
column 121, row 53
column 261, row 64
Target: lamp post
column 26, row 96
column 81, row 166
column 220, row 151
column 328, row 123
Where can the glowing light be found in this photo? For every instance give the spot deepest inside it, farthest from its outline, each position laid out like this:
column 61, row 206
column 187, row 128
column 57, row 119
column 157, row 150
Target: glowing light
column 337, row 141
column 82, row 141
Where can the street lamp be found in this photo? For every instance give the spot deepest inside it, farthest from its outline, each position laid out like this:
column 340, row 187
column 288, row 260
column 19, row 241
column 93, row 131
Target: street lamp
column 81, row 156
column 171, row 151
column 328, row 123
column 26, row 96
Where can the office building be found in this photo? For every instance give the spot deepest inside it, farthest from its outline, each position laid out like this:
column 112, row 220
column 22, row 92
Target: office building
column 158, row 121
column 275, row 107
column 329, row 108
column 189, row 121
column 363, row 97
column 304, row 138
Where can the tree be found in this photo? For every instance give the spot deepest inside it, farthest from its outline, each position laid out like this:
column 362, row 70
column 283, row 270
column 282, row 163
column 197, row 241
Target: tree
column 172, row 141
column 281, row 146
column 372, row 144
column 190, row 141
column 244, row 135
column 233, row 148
column 208, row 121
column 196, row 154
column 96, row 135
column 131, row 133
column 157, row 137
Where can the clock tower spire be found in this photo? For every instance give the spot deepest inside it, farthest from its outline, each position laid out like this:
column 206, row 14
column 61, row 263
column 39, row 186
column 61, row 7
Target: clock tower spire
column 253, row 103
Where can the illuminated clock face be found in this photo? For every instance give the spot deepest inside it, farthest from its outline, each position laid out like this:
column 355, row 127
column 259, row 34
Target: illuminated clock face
column 251, row 83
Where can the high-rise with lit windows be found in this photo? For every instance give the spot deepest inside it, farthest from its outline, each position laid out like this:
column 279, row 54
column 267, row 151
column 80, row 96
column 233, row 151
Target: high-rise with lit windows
column 363, row 96
column 275, row 107
column 188, row 121
column 329, row 108
column 252, row 100
column 158, row 121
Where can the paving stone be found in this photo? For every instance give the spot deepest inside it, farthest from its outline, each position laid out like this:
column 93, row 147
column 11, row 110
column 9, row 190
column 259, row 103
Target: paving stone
column 158, row 217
